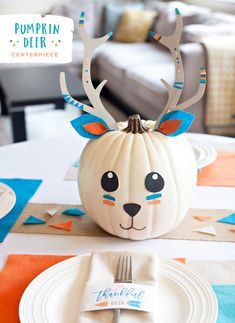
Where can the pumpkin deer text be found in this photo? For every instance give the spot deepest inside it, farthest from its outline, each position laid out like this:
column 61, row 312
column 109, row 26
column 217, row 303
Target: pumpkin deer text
column 136, row 181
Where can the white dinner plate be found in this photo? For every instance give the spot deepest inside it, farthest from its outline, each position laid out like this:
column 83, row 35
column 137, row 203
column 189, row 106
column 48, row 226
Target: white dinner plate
column 205, row 153
column 7, row 199
column 54, row 295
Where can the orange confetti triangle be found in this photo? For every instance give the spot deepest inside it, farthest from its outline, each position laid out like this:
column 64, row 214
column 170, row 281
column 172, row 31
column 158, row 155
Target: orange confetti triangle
column 233, row 229
column 67, row 226
column 202, row 217
column 182, row 260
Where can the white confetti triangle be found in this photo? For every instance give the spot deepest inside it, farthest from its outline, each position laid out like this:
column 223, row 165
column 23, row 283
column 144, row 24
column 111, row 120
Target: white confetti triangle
column 51, row 212
column 207, row 230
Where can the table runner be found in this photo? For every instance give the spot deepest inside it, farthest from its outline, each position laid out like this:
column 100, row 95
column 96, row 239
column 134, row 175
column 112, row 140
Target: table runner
column 84, row 226
column 13, row 283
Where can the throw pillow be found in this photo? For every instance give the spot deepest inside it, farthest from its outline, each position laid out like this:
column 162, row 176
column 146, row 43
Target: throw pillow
column 135, row 25
column 113, row 13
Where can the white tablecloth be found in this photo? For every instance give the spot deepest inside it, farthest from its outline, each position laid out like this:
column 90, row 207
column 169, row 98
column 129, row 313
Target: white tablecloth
column 50, row 159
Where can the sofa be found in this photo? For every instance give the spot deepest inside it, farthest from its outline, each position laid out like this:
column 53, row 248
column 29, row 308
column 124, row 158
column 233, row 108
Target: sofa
column 134, row 70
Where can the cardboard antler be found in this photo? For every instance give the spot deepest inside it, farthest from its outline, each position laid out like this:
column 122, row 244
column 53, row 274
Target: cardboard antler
column 93, row 94
column 174, row 92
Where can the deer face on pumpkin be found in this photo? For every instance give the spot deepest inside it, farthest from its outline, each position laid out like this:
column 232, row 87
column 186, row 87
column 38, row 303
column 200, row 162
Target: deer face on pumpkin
column 137, row 186
column 136, row 181
column 154, row 184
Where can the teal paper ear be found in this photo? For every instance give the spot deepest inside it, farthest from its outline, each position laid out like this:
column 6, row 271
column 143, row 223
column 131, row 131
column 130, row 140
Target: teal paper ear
column 175, row 123
column 90, row 126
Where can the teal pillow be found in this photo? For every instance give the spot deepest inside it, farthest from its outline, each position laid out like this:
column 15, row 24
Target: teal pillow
column 113, row 13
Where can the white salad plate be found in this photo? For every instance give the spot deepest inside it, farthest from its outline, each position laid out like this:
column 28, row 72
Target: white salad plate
column 7, row 199
column 205, row 153
column 54, row 295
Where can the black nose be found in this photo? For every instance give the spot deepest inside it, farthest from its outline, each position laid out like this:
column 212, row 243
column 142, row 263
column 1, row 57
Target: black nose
column 131, row 208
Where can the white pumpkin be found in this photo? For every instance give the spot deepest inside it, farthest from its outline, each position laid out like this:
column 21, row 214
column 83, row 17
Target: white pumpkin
column 131, row 170
column 136, row 183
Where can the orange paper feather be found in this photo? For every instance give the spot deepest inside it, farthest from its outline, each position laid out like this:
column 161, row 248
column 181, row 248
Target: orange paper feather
column 169, row 126
column 95, row 128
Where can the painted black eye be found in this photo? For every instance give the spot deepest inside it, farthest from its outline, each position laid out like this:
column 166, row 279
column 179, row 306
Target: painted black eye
column 154, row 182
column 109, row 181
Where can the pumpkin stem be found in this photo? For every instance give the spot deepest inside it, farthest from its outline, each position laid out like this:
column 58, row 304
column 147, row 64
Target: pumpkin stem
column 135, row 125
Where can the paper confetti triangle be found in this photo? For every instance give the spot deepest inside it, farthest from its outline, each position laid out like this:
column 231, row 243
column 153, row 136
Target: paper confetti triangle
column 202, row 217
column 33, row 220
column 67, row 226
column 74, row 211
column 52, row 212
column 233, row 230
column 228, row 219
column 182, row 260
column 76, row 164
column 207, row 230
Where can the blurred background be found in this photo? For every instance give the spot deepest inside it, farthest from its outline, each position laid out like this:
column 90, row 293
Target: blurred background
column 132, row 63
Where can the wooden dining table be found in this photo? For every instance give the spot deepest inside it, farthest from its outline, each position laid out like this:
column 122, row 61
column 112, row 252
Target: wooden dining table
column 50, row 159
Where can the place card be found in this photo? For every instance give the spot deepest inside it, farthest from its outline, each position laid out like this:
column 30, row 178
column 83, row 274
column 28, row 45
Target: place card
column 136, row 297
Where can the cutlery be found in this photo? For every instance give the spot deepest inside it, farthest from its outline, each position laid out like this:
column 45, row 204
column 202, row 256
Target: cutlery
column 123, row 275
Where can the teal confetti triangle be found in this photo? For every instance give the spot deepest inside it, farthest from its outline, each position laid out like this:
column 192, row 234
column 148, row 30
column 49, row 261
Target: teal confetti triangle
column 230, row 219
column 76, row 164
column 33, row 220
column 74, row 211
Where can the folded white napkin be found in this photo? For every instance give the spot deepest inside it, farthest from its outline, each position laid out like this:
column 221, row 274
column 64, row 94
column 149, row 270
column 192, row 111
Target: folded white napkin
column 102, row 269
